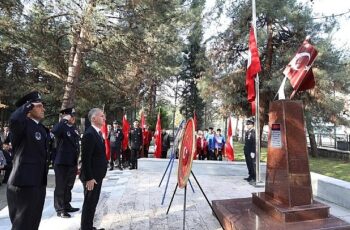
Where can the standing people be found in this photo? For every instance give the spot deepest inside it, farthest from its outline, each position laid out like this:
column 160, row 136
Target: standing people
column 135, row 143
column 94, row 166
column 202, row 146
column 165, row 143
column 116, row 137
column 249, row 150
column 65, row 162
column 26, row 188
column 219, row 144
column 211, row 144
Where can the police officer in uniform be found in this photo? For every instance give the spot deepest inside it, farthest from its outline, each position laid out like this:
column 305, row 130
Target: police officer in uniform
column 249, row 150
column 26, row 188
column 135, row 143
column 116, row 137
column 65, row 162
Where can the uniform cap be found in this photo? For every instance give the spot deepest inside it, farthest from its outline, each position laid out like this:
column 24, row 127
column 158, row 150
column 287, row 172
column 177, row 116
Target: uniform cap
column 70, row 111
column 30, row 97
column 250, row 121
column 116, row 123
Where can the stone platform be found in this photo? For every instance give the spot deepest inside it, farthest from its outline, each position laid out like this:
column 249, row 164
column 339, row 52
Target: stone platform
column 242, row 214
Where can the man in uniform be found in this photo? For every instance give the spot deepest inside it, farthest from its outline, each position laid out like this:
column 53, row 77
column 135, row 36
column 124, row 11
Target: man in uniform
column 249, row 150
column 165, row 143
column 26, row 188
column 65, row 162
column 116, row 137
column 135, row 143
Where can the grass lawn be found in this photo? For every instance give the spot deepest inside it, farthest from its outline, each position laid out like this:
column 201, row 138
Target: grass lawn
column 329, row 167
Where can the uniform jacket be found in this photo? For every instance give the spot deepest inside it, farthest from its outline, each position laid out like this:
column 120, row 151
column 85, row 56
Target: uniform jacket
column 116, row 137
column 30, row 149
column 135, row 138
column 93, row 156
column 249, row 144
column 67, row 139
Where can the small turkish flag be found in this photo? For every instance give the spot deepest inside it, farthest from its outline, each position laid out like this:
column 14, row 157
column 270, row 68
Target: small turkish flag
column 299, row 70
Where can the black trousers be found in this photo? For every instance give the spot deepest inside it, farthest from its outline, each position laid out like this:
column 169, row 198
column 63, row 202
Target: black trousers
column 135, row 154
column 250, row 165
column 25, row 206
column 64, row 179
column 89, row 206
column 115, row 155
column 211, row 155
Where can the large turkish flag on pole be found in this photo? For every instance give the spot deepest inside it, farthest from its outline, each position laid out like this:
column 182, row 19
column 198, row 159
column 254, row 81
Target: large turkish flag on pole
column 299, row 70
column 253, row 66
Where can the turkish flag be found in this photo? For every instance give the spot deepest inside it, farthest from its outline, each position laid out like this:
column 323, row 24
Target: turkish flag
column 158, row 139
column 125, row 130
column 299, row 70
column 229, row 151
column 104, row 131
column 253, row 67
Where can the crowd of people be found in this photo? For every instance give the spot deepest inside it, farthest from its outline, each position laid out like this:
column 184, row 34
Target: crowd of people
column 210, row 144
column 28, row 148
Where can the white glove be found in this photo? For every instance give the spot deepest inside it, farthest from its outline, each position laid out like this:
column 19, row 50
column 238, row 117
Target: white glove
column 67, row 117
column 252, row 155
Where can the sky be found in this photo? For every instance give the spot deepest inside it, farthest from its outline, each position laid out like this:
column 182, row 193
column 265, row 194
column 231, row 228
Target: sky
column 320, row 8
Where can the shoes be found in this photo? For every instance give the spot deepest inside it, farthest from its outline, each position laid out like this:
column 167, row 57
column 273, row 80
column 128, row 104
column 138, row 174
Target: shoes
column 251, row 181
column 111, row 168
column 120, row 168
column 131, row 168
column 71, row 209
column 247, row 178
column 63, row 215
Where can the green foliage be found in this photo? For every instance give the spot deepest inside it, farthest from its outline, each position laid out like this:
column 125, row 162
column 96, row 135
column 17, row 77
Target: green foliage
column 281, row 28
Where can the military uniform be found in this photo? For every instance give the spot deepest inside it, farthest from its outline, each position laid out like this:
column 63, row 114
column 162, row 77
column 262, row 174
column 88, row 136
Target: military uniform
column 249, row 148
column 116, row 137
column 65, row 164
column 136, row 143
column 27, row 182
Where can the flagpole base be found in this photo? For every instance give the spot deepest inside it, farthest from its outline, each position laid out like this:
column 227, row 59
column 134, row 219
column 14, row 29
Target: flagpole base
column 259, row 184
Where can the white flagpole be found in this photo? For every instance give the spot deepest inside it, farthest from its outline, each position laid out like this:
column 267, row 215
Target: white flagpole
column 257, row 119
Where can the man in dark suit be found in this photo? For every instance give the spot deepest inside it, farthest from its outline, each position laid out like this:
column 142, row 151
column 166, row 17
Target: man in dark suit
column 65, row 162
column 94, row 166
column 26, row 188
column 135, row 143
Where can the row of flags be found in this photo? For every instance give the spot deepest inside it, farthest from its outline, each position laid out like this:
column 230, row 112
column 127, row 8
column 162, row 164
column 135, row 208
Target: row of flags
column 229, row 151
column 298, row 70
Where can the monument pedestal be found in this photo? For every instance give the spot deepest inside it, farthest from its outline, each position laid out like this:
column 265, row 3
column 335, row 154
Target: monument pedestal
column 287, row 202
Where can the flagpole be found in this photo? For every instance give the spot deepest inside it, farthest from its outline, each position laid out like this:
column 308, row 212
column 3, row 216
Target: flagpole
column 257, row 117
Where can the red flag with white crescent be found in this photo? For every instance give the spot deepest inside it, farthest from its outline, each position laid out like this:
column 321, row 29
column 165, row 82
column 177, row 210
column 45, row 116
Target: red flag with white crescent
column 104, row 131
column 299, row 70
column 125, row 130
column 229, row 151
column 158, row 139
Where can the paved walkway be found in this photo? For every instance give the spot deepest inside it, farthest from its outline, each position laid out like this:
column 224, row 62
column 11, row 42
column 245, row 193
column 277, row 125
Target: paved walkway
column 132, row 199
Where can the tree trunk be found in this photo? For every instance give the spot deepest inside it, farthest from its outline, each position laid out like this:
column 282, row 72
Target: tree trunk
column 80, row 44
column 312, row 139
